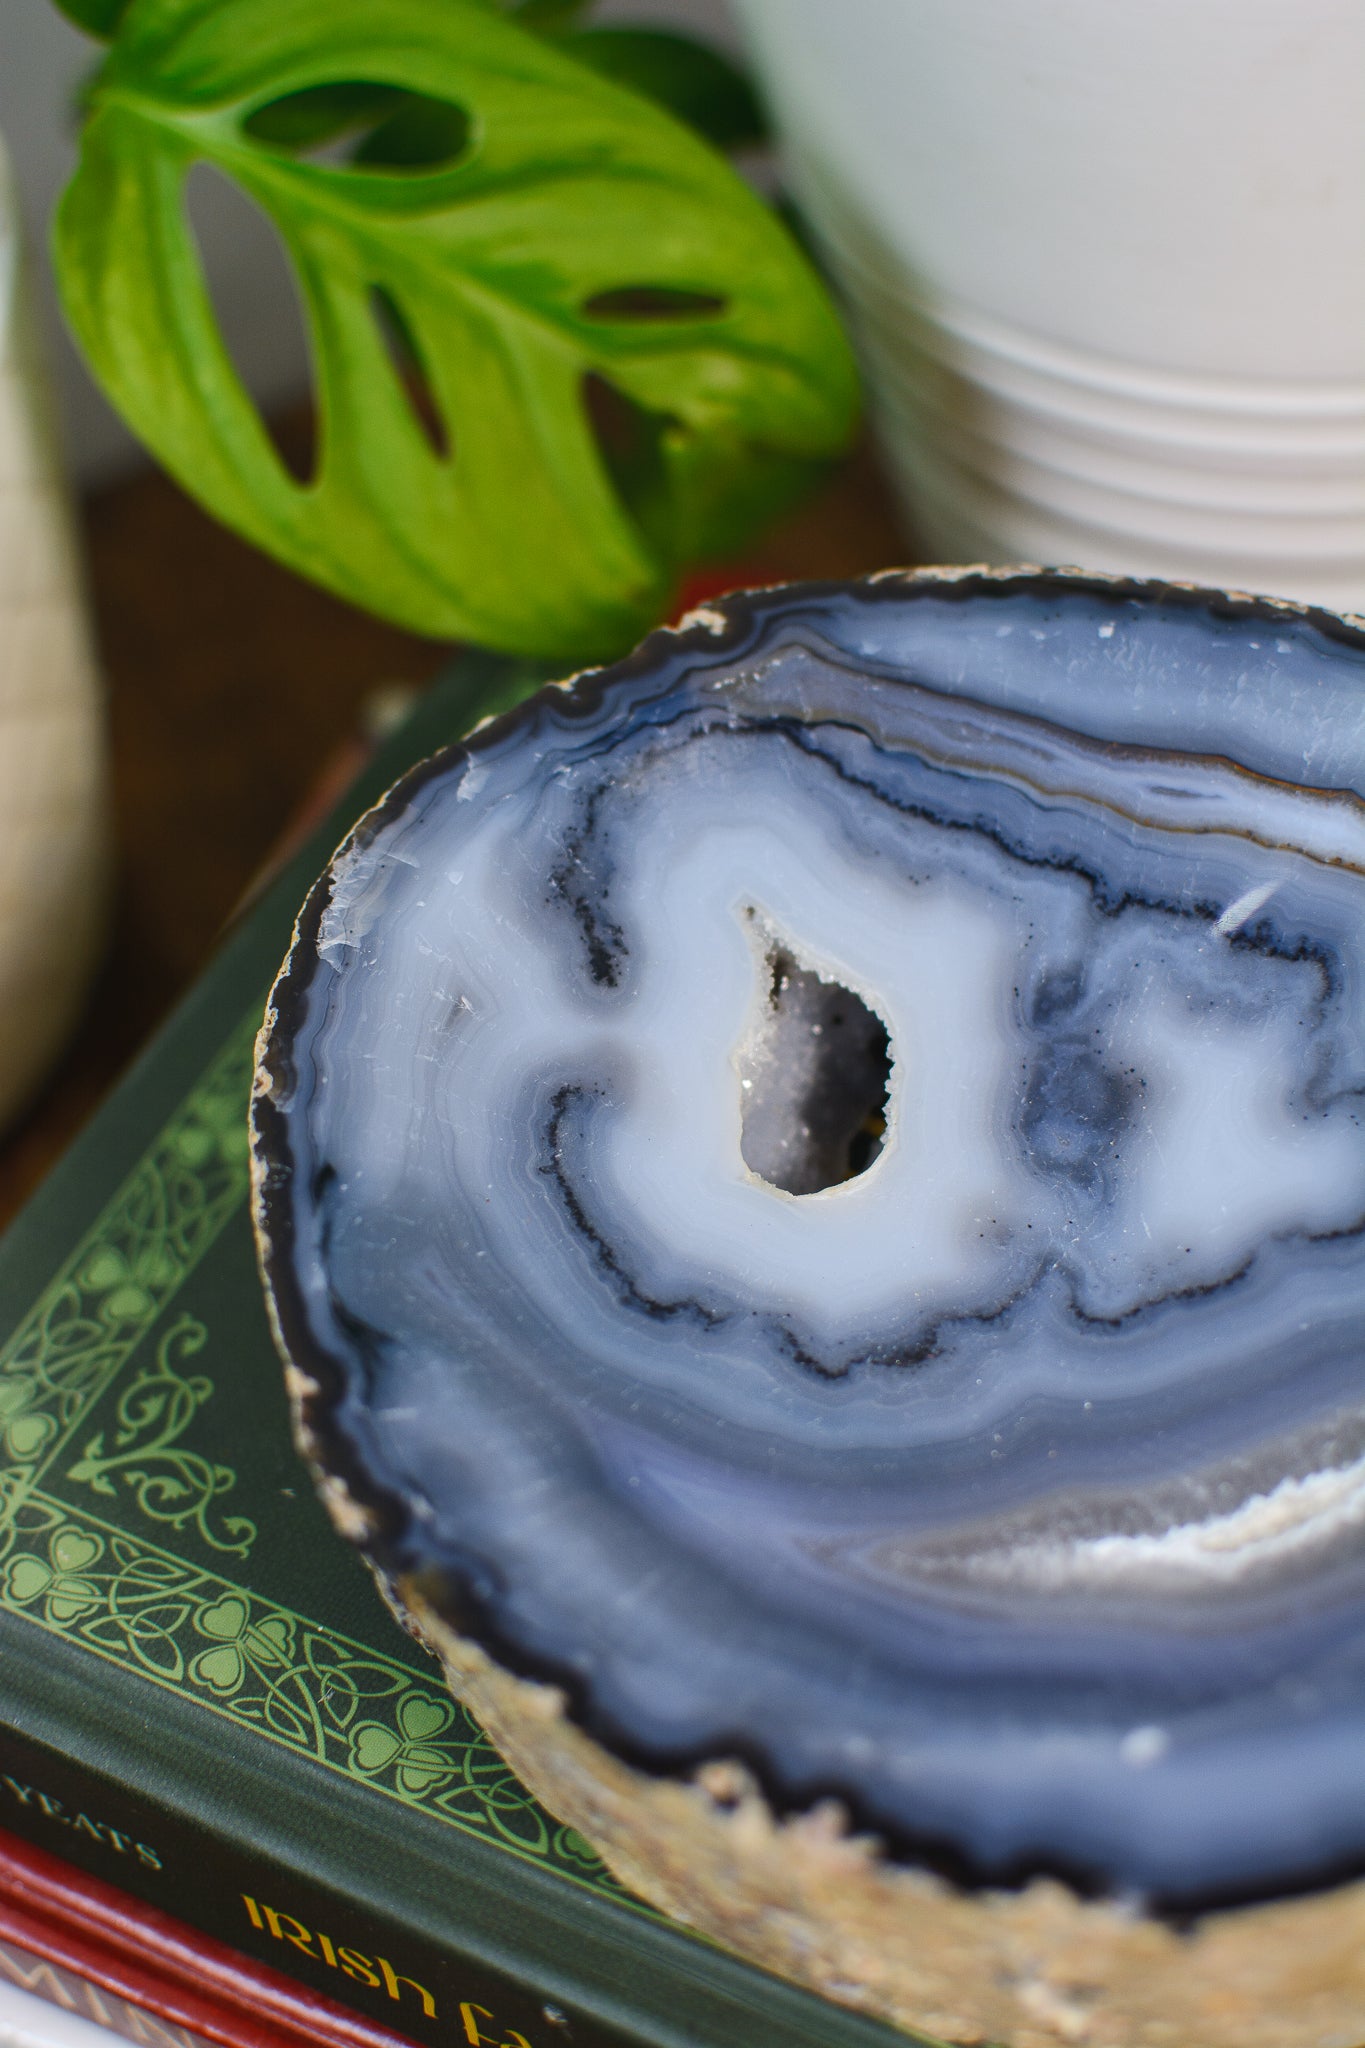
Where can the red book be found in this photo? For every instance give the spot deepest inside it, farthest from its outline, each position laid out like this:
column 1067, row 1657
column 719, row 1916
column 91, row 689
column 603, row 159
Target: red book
column 89, row 1948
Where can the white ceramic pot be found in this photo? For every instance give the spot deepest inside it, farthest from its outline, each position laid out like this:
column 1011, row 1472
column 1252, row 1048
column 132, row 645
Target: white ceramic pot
column 52, row 787
column 1105, row 262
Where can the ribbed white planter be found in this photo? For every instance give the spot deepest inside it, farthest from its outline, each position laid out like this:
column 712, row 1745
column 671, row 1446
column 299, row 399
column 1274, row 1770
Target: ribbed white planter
column 52, row 803
column 1105, row 263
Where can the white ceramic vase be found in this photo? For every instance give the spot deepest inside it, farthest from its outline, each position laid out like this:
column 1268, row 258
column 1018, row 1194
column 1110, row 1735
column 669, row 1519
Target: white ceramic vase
column 1105, row 263
column 52, row 785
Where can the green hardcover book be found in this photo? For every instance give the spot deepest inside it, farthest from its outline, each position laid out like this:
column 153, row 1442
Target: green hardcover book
column 201, row 1694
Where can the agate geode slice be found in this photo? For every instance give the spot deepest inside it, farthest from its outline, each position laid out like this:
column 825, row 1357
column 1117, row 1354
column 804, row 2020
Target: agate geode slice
column 813, row 1184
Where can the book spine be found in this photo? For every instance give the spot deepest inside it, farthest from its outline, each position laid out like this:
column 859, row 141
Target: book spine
column 32, row 1971
column 276, row 1915
column 90, row 1948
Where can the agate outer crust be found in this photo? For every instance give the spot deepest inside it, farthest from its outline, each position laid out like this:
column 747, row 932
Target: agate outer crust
column 1011, row 1490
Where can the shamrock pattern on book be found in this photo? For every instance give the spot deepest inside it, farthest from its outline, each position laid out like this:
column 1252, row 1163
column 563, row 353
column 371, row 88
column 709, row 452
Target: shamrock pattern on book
column 175, row 1622
column 269, row 1669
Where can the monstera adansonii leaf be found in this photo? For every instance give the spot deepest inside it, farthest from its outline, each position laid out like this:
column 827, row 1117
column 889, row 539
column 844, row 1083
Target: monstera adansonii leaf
column 570, row 257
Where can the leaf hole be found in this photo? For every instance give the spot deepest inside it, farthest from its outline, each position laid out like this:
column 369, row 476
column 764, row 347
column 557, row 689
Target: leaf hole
column 654, row 302
column 630, row 441
column 409, row 366
column 259, row 310
column 815, row 1078
column 359, row 124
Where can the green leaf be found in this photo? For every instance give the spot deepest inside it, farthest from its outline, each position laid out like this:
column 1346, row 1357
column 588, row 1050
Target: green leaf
column 697, row 84
column 225, row 1618
column 548, row 17
column 373, row 1747
column 28, row 1578
column 97, row 17
column 222, row 1669
column 419, row 134
column 420, row 1717
column 321, row 113
column 580, row 241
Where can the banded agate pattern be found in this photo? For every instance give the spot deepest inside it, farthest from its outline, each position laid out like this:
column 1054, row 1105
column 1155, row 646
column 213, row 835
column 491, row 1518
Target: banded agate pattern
column 822, row 1173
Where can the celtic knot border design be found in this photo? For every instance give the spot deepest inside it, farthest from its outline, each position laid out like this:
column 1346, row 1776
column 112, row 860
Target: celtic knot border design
column 170, row 1483
column 273, row 1671
column 126, row 1269
column 177, row 1624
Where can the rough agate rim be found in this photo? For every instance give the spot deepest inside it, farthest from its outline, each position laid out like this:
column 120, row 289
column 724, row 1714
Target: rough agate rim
column 812, row 1885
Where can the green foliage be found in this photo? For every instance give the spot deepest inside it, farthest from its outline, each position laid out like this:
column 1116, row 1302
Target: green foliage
column 558, row 348
column 698, row 85
column 97, row 17
column 548, row 17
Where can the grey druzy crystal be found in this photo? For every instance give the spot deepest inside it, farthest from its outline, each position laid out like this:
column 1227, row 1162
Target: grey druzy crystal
column 819, row 1177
